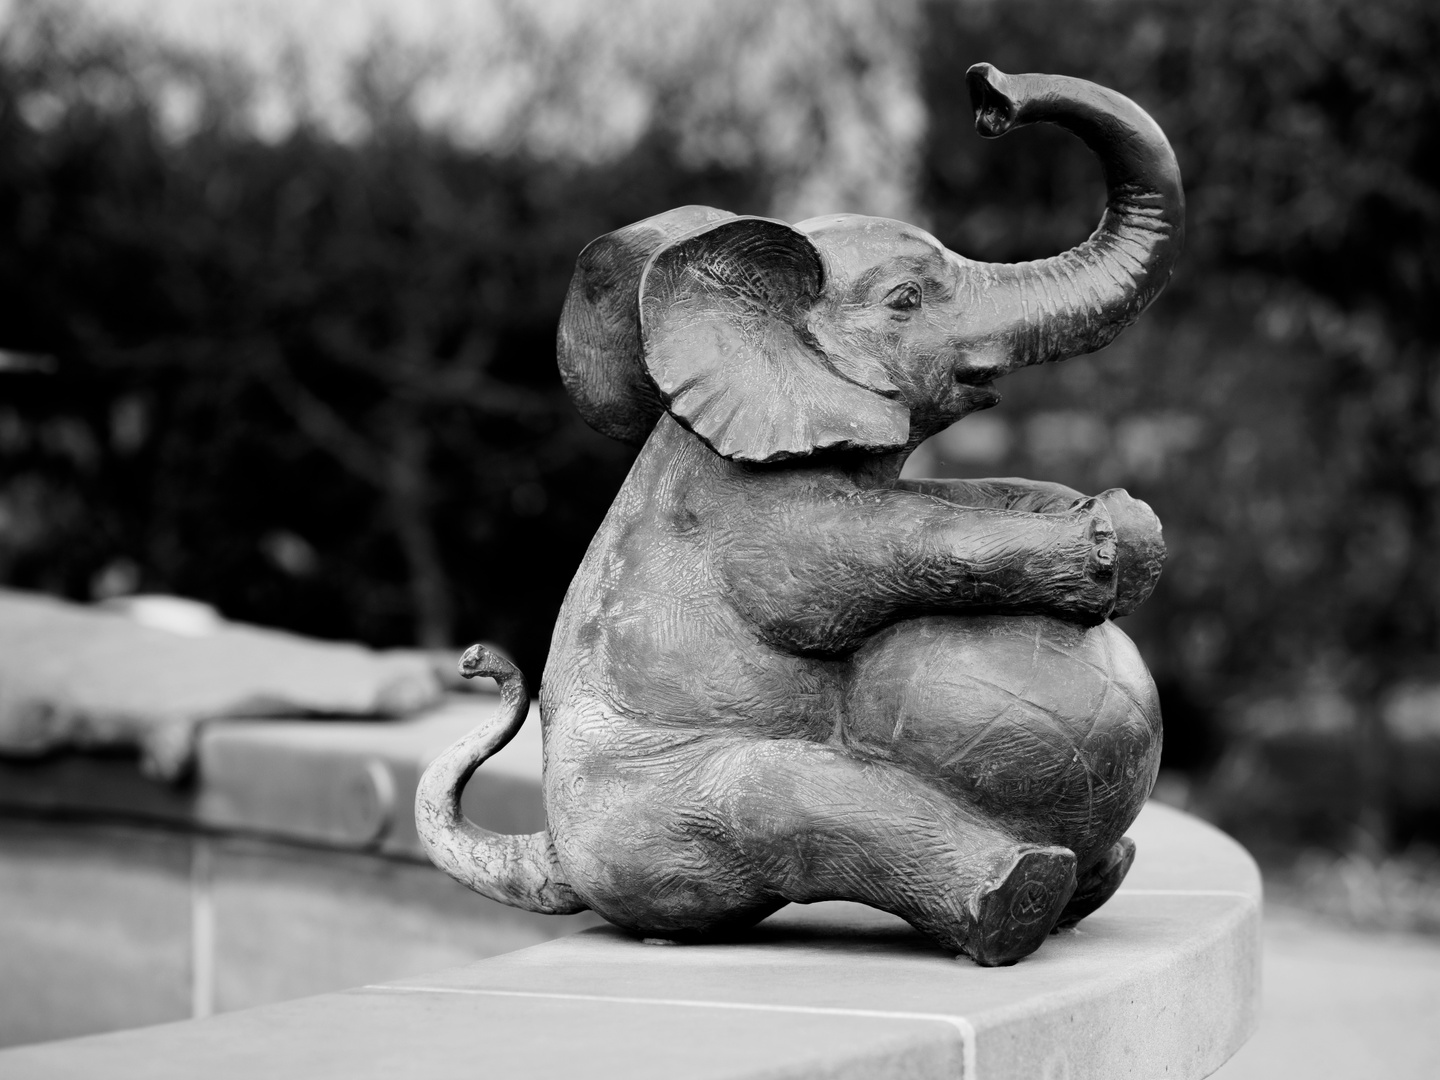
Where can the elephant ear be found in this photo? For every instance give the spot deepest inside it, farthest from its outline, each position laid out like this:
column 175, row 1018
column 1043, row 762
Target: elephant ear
column 598, row 345
column 723, row 323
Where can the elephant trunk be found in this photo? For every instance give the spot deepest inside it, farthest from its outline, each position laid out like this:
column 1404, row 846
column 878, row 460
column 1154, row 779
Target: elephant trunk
column 1077, row 302
column 521, row 871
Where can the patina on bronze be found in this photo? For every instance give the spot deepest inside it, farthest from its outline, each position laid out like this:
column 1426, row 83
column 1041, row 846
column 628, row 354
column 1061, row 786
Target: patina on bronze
column 782, row 674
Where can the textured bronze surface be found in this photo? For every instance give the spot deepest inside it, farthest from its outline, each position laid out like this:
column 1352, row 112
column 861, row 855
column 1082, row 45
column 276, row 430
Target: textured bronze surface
column 781, row 673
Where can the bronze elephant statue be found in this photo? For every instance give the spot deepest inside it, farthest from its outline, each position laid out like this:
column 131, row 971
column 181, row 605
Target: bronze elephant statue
column 784, row 674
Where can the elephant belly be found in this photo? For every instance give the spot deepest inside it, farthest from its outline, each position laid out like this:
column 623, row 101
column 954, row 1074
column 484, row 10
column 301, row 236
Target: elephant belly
column 1050, row 727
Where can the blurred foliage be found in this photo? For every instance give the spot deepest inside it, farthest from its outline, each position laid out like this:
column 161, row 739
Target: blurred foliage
column 1278, row 406
column 308, row 373
column 1394, row 894
column 817, row 95
column 311, row 382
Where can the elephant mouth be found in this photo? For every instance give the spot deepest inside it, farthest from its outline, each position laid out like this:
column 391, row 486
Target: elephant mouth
column 981, row 396
column 975, row 381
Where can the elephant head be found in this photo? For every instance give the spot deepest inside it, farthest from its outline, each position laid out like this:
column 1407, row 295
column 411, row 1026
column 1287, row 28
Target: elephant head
column 773, row 341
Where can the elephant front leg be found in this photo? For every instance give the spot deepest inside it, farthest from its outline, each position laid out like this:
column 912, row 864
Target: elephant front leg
column 999, row 493
column 1140, row 545
column 820, row 576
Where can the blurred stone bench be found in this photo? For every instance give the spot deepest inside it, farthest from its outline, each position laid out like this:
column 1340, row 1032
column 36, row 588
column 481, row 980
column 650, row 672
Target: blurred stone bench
column 346, row 784
column 1163, row 981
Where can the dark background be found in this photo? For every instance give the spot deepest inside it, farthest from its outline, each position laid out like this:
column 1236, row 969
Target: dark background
column 311, row 379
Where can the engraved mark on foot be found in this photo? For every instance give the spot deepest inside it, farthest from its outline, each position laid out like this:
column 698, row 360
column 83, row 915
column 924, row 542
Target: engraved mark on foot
column 1032, row 901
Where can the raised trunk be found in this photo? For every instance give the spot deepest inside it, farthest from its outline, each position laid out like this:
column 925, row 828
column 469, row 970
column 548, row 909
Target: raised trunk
column 1077, row 302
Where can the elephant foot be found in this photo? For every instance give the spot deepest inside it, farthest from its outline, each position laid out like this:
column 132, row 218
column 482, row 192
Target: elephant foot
column 1099, row 883
column 1013, row 916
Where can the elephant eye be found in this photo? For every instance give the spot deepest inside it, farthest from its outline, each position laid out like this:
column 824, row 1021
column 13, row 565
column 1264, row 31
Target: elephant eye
column 904, row 297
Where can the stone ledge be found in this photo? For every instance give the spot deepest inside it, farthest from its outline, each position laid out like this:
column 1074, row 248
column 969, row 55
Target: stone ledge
column 1163, row 981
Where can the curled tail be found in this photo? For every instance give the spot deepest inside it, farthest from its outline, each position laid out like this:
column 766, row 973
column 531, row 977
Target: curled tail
column 521, row 871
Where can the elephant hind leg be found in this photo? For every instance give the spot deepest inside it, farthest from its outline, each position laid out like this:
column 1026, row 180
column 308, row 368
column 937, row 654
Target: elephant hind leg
column 1098, row 883
column 814, row 823
column 1015, row 914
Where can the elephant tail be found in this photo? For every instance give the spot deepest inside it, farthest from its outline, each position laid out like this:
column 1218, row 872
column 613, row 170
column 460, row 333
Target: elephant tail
column 521, row 871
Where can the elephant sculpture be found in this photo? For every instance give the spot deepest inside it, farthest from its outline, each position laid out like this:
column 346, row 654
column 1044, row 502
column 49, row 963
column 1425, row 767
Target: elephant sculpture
column 784, row 674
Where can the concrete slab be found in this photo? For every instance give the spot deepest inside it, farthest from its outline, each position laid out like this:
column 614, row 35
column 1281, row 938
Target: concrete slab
column 439, row 1037
column 1161, row 982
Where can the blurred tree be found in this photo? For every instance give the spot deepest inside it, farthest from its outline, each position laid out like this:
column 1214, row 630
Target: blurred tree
column 1278, row 405
column 310, row 381
column 818, row 95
